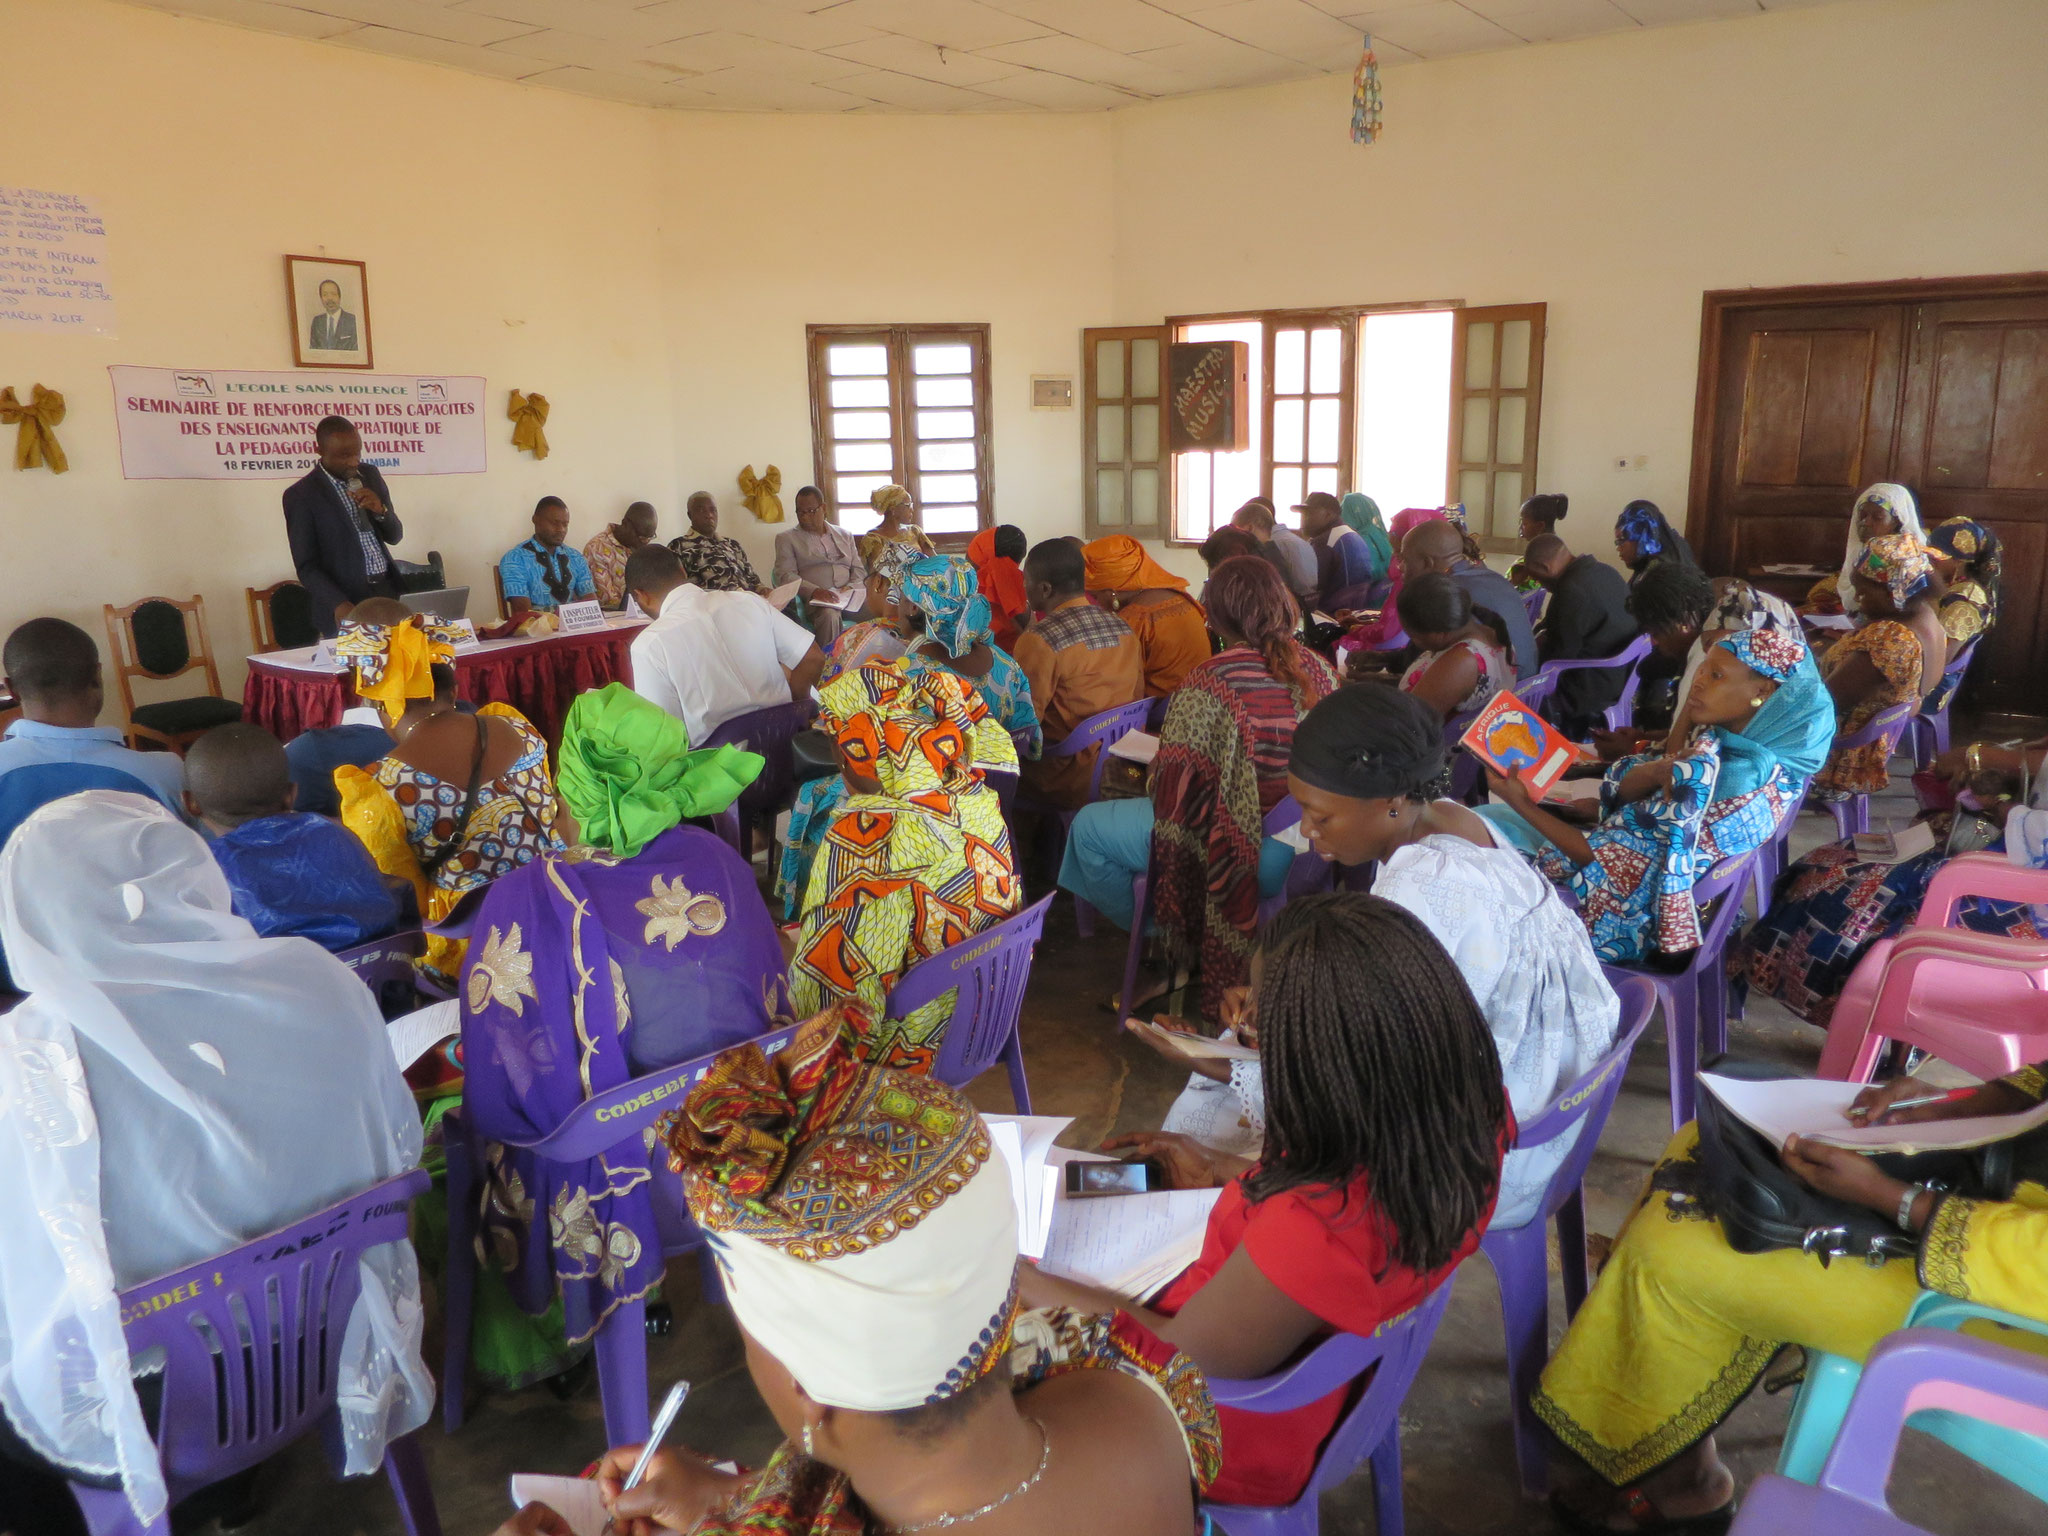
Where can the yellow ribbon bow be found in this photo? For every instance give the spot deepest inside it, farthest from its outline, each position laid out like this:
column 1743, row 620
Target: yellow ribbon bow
column 36, row 443
column 529, row 414
column 759, row 493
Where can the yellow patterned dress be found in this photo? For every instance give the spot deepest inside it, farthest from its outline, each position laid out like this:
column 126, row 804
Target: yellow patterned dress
column 1894, row 649
column 1680, row 1325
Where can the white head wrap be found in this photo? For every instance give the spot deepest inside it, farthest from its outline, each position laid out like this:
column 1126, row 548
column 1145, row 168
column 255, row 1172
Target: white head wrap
column 1896, row 500
column 874, row 1251
column 174, row 1086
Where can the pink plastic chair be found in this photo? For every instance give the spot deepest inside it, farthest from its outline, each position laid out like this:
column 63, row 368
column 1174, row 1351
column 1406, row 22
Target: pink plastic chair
column 1976, row 1000
column 1912, row 1371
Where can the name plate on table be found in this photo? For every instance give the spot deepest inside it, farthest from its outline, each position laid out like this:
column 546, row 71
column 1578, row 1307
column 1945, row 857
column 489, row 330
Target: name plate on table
column 581, row 618
column 465, row 635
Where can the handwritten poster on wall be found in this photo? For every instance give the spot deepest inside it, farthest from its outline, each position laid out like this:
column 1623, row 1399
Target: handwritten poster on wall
column 53, row 264
column 203, row 424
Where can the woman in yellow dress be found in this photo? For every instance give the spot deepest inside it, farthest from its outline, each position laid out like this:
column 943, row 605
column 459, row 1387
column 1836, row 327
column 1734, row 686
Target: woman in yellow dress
column 1680, row 1326
column 898, row 526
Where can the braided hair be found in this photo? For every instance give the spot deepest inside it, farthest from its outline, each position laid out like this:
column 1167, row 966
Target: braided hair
column 1247, row 597
column 1378, row 1064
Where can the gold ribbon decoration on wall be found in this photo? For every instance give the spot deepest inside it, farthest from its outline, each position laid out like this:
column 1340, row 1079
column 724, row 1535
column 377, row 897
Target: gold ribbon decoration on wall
column 759, row 493
column 35, row 444
column 529, row 413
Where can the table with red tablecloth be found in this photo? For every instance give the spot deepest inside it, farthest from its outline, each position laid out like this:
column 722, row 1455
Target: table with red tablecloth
column 290, row 691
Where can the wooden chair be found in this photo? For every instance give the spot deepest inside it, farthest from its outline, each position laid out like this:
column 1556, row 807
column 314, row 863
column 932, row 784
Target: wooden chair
column 498, row 582
column 281, row 617
column 152, row 638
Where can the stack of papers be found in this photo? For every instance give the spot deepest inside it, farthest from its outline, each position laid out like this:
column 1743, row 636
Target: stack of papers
column 1894, row 847
column 414, row 1034
column 1131, row 1244
column 1797, row 1106
column 1135, row 747
column 1197, row 1047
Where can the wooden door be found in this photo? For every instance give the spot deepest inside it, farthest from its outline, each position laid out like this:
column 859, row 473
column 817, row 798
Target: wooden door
column 1973, row 442
column 1804, row 415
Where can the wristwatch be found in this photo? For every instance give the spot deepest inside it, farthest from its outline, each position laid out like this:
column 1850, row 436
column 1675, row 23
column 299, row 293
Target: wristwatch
column 1904, row 1218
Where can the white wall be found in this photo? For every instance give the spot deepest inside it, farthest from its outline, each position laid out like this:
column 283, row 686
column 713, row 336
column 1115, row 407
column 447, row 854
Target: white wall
column 1615, row 179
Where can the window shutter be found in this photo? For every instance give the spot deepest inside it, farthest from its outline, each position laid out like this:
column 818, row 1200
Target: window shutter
column 1125, row 462
column 1496, row 400
column 1311, row 404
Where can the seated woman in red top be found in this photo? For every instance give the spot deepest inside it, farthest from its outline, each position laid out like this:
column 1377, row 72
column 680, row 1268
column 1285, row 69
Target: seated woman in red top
column 1385, row 1128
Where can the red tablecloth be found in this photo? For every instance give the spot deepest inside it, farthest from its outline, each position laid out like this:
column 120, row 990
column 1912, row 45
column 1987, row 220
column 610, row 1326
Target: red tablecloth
column 539, row 678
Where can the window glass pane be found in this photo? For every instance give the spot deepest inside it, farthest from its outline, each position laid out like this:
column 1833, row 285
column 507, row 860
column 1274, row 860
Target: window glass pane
column 1288, row 361
column 1191, row 489
column 858, row 392
column 1473, row 446
column 1326, row 360
column 860, row 423
column 1514, row 426
column 1287, row 431
column 1109, row 498
column 1287, row 491
column 945, row 455
column 1109, row 370
column 1322, row 430
column 1323, row 477
column 1479, row 355
column 1109, row 434
column 945, row 423
column 1472, row 492
column 1144, row 433
column 950, row 519
column 1507, row 503
column 949, row 357
column 1230, row 479
column 854, row 490
column 931, row 488
column 1145, row 497
column 863, row 456
column 1514, row 354
column 844, row 359
column 1404, row 407
column 1145, row 369
column 858, row 519
column 945, row 391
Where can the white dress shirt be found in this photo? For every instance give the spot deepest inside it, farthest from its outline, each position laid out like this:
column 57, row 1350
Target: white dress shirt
column 714, row 655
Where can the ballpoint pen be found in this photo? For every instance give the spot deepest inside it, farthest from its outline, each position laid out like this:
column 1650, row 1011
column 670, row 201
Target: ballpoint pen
column 670, row 1407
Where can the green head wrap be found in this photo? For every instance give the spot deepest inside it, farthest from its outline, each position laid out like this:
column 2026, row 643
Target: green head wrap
column 627, row 772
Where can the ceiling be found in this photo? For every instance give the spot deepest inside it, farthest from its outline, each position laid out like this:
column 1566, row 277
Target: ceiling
column 932, row 55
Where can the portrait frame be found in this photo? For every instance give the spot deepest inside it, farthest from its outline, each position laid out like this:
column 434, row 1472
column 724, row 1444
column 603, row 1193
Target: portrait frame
column 313, row 320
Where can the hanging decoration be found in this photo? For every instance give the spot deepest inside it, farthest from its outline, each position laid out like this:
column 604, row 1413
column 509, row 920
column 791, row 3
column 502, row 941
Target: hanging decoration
column 529, row 413
column 1365, row 98
column 759, row 493
column 35, row 441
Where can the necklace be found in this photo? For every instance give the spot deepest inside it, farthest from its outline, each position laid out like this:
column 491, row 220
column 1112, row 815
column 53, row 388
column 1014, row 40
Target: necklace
column 941, row 1522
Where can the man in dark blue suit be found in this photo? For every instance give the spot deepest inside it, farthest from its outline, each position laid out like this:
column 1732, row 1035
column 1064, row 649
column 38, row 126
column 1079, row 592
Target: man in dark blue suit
column 339, row 521
column 334, row 328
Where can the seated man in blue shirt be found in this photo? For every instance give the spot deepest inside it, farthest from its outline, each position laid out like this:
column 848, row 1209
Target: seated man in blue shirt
column 292, row 874
column 54, row 669
column 543, row 573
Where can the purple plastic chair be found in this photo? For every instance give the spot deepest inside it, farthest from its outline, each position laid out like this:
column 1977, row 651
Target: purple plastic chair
column 251, row 1356
column 1695, row 1000
column 1370, row 1431
column 609, row 1123
column 1910, row 1372
column 1097, row 730
column 1520, row 1255
column 385, row 966
column 991, row 970
column 1309, row 872
column 1929, row 732
column 1533, row 603
column 1852, row 814
column 1772, row 854
column 766, row 731
column 1538, row 690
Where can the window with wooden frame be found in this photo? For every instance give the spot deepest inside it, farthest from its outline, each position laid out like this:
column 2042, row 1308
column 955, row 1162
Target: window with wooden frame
column 1312, row 363
column 904, row 405
column 1496, row 400
column 1124, row 486
column 1208, row 487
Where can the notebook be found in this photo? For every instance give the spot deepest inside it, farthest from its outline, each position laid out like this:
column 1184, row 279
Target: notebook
column 1512, row 739
column 1797, row 1106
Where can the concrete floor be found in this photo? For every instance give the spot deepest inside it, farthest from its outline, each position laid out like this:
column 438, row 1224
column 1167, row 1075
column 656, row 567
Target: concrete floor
column 1460, row 1477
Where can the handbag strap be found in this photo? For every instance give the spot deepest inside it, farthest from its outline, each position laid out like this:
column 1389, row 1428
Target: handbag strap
column 476, row 780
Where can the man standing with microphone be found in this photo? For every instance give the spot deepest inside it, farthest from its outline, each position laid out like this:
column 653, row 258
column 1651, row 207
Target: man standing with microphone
column 339, row 520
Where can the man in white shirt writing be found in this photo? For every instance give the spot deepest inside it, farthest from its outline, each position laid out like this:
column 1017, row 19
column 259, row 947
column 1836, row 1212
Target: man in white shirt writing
column 709, row 657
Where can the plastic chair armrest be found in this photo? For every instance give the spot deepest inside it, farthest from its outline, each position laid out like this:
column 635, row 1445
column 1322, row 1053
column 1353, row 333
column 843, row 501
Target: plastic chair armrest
column 1988, row 875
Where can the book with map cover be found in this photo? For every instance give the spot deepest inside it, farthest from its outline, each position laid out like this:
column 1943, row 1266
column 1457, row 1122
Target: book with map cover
column 1512, row 739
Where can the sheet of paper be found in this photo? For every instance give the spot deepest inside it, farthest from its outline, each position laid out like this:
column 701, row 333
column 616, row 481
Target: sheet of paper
column 414, row 1034
column 305, row 658
column 1807, row 1107
column 573, row 1498
column 1835, row 621
column 1135, row 747
column 1026, row 1145
column 465, row 635
column 1123, row 1241
column 1295, row 838
column 780, row 597
column 1201, row 1045
column 844, row 597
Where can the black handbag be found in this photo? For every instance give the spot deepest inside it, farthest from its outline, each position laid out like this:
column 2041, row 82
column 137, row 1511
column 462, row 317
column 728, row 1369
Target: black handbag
column 1761, row 1206
column 813, row 754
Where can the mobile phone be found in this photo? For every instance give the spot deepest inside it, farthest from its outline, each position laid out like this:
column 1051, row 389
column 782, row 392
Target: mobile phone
column 1085, row 1179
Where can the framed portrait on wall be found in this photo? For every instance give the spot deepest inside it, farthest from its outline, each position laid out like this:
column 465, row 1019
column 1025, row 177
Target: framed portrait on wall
column 330, row 305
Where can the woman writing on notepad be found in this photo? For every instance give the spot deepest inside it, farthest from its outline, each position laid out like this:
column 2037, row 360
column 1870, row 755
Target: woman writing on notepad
column 1386, row 1124
column 1680, row 1326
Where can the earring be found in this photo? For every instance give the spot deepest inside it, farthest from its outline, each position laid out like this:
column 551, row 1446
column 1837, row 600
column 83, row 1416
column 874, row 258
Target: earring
column 1393, row 813
column 809, row 1449
column 1756, row 703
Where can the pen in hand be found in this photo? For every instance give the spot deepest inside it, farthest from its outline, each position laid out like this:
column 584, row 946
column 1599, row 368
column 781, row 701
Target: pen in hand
column 670, row 1407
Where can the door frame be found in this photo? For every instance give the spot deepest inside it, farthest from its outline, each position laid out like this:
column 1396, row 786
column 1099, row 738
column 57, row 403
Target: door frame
column 1718, row 303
